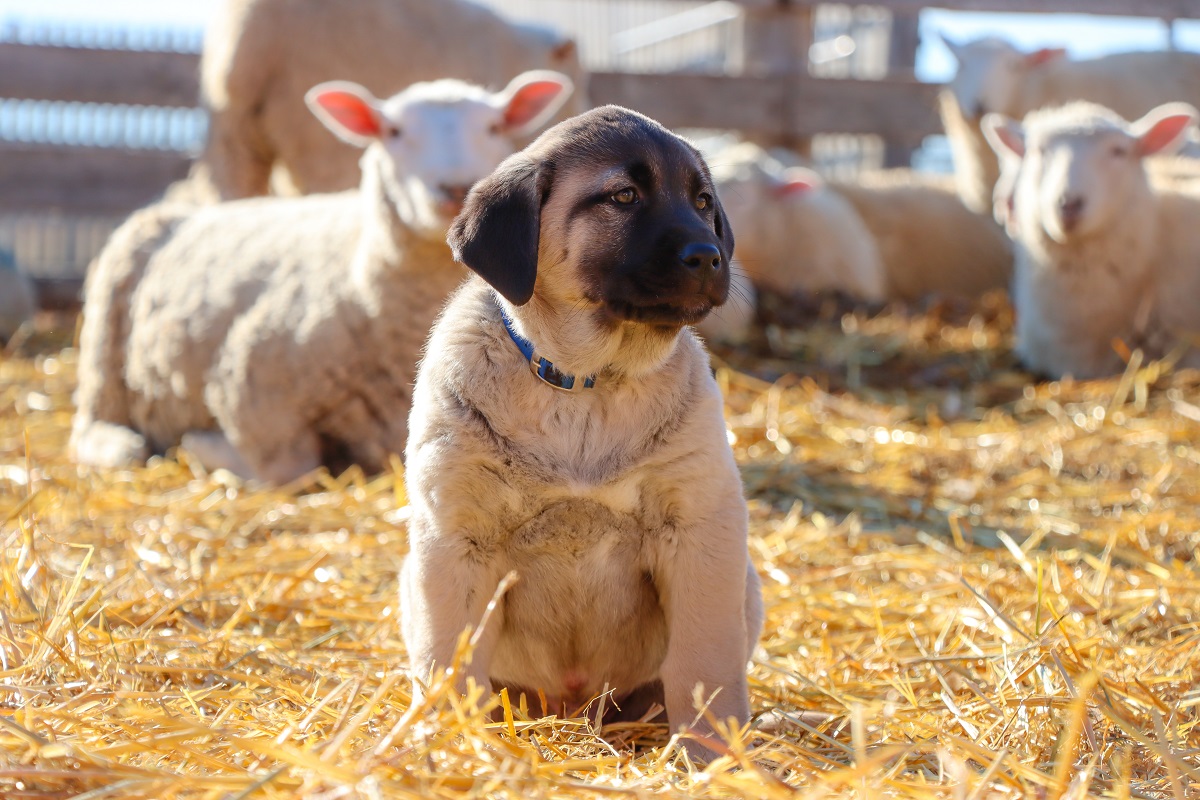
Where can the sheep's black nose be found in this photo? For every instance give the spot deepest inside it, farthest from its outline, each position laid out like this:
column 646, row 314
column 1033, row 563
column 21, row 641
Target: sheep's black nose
column 701, row 256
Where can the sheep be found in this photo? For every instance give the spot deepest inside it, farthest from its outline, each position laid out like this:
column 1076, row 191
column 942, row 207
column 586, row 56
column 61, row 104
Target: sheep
column 1103, row 253
column 261, row 55
column 271, row 335
column 18, row 299
column 1180, row 171
column 889, row 235
column 976, row 169
column 793, row 233
column 993, row 76
column 930, row 243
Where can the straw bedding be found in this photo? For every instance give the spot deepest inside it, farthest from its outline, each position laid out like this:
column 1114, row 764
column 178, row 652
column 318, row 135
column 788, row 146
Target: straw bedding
column 976, row 586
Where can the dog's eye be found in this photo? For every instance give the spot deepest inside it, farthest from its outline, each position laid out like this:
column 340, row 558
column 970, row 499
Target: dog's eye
column 625, row 197
column 392, row 131
column 1120, row 151
column 703, row 201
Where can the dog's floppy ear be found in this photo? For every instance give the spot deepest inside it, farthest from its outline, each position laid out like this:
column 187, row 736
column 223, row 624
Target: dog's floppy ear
column 496, row 234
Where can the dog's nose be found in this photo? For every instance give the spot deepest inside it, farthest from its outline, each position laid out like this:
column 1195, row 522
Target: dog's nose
column 701, row 256
column 1071, row 209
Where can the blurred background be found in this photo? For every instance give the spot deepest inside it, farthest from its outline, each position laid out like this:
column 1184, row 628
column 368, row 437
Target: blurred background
column 99, row 107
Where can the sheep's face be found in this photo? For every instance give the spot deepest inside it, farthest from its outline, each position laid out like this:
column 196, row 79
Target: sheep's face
column 435, row 152
column 990, row 72
column 1080, row 170
column 1083, row 181
column 986, row 76
column 433, row 141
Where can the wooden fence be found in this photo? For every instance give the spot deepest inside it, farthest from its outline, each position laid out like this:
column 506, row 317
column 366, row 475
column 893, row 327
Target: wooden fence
column 772, row 96
column 792, row 104
column 111, row 180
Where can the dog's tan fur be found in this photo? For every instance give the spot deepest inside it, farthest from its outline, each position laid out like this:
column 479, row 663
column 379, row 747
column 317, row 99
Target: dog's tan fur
column 620, row 507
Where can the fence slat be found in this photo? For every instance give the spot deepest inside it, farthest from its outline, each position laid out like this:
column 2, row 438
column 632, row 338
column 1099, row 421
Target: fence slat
column 38, row 72
column 894, row 108
column 83, row 179
column 697, row 101
column 1169, row 9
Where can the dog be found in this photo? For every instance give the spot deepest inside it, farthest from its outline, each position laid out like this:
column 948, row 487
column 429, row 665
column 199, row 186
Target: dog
column 566, row 425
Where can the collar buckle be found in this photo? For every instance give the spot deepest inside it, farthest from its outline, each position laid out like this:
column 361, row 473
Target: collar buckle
column 544, row 368
column 547, row 373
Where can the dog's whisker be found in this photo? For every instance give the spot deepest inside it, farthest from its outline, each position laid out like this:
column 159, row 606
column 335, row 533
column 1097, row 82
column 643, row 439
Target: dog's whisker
column 741, row 269
column 741, row 294
column 575, row 309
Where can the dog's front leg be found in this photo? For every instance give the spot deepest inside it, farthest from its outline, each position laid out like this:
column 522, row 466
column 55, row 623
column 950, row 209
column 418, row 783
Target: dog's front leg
column 703, row 591
column 443, row 592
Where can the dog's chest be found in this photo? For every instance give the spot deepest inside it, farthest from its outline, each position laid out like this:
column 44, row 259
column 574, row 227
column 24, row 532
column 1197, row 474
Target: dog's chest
column 585, row 611
column 589, row 450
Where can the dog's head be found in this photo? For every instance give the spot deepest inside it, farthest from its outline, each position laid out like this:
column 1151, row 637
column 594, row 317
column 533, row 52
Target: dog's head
column 607, row 214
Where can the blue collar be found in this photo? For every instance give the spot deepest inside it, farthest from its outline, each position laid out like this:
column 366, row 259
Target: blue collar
column 541, row 367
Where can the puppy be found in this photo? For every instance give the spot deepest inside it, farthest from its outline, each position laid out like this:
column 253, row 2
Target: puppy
column 566, row 425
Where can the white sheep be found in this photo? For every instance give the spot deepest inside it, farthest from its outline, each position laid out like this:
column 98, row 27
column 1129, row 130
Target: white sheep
column 890, row 235
column 18, row 299
column 930, row 242
column 1104, row 255
column 275, row 334
column 976, row 170
column 994, row 76
column 1181, row 171
column 794, row 234
column 261, row 56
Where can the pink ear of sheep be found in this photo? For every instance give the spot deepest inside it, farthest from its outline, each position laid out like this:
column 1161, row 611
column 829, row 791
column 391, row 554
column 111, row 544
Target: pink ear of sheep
column 1044, row 56
column 1164, row 129
column 1005, row 135
column 954, row 47
column 347, row 109
column 532, row 98
column 797, row 181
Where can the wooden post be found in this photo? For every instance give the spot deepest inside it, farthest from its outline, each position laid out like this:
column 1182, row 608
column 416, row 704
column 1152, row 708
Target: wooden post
column 902, row 60
column 777, row 38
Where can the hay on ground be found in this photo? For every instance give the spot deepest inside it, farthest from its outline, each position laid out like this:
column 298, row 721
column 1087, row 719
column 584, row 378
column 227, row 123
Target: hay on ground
column 976, row 586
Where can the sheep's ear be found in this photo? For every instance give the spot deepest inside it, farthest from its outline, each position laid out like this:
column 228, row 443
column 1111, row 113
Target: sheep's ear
column 496, row 234
column 1006, row 136
column 1165, row 129
column 954, row 47
column 565, row 52
column 796, row 181
column 532, row 98
column 347, row 109
column 1044, row 56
